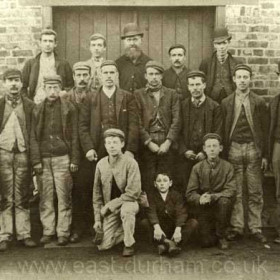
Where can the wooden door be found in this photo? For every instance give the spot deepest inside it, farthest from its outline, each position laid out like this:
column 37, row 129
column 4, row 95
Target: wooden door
column 162, row 27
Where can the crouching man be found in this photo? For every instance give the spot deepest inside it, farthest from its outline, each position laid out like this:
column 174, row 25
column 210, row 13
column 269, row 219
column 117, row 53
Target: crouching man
column 117, row 186
column 210, row 193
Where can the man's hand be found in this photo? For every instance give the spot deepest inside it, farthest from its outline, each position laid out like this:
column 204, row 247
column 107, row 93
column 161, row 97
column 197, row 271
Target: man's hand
column 97, row 225
column 128, row 153
column 153, row 147
column 264, row 164
column 104, row 211
column 158, row 233
column 177, row 236
column 200, row 156
column 204, row 199
column 91, row 155
column 38, row 168
column 190, row 155
column 74, row 167
column 164, row 147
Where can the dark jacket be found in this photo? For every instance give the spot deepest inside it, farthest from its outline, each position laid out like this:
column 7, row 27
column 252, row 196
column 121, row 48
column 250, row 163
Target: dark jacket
column 208, row 66
column 260, row 121
column 218, row 181
column 170, row 80
column 90, row 126
column 213, row 121
column 273, row 116
column 70, row 131
column 131, row 75
column 174, row 206
column 169, row 108
column 28, row 106
column 30, row 74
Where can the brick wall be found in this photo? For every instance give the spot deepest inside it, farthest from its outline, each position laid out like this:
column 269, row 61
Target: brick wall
column 256, row 40
column 255, row 31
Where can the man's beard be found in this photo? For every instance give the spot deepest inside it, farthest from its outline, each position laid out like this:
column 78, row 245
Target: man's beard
column 133, row 52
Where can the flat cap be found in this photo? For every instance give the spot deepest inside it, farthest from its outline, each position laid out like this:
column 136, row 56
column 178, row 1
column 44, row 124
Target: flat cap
column 114, row 132
column 81, row 65
column 154, row 64
column 212, row 136
column 131, row 29
column 48, row 31
column 52, row 79
column 196, row 73
column 108, row 62
column 278, row 72
column 12, row 73
column 242, row 67
column 177, row 46
column 96, row 36
column 221, row 35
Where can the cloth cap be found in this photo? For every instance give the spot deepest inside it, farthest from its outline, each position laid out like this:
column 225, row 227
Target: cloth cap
column 48, row 31
column 242, row 67
column 131, row 29
column 221, row 35
column 81, row 65
column 212, row 136
column 196, row 73
column 108, row 62
column 155, row 64
column 12, row 73
column 96, row 36
column 114, row 132
column 52, row 79
column 177, row 46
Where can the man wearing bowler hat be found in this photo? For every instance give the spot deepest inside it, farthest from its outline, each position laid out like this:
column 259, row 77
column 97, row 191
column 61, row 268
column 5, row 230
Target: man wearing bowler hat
column 97, row 47
column 219, row 67
column 131, row 65
column 176, row 76
column 54, row 154
column 200, row 115
column 245, row 140
column 159, row 124
column 15, row 175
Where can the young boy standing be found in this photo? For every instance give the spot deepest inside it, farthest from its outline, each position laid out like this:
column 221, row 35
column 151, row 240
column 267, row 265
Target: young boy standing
column 168, row 215
column 210, row 193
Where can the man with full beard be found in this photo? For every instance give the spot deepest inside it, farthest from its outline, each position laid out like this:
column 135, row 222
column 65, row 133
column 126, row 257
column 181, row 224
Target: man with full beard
column 131, row 65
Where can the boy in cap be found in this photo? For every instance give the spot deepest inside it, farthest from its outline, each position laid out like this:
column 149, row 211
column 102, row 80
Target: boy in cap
column 210, row 193
column 176, row 76
column 97, row 47
column 159, row 124
column 131, row 65
column 54, row 154
column 45, row 63
column 167, row 214
column 15, row 121
column 246, row 126
column 274, row 151
column 200, row 115
column 117, row 186
column 219, row 67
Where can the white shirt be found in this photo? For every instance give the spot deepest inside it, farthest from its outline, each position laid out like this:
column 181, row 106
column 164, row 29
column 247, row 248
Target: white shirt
column 201, row 99
column 109, row 91
column 164, row 195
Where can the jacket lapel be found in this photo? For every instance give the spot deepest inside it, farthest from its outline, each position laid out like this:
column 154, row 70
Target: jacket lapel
column 119, row 99
column 38, row 111
column 64, row 114
column 230, row 115
column 2, row 108
column 252, row 103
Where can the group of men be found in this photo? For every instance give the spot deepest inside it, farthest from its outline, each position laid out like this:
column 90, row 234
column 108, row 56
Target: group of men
column 87, row 133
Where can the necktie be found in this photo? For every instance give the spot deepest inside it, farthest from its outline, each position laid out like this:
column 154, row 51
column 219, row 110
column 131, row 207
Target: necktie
column 196, row 103
column 14, row 100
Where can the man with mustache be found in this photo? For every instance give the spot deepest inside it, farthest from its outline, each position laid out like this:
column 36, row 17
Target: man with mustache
column 176, row 76
column 200, row 115
column 15, row 173
column 131, row 65
column 97, row 48
column 245, row 139
column 82, row 179
column 219, row 67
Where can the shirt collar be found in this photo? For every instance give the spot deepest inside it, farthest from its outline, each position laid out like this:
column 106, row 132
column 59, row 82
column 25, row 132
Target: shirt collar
column 242, row 96
column 214, row 163
column 201, row 99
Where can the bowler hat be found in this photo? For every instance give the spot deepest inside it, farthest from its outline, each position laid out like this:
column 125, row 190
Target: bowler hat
column 114, row 132
column 12, row 73
column 52, row 79
column 196, row 73
column 212, row 136
column 242, row 67
column 221, row 35
column 155, row 64
column 131, row 29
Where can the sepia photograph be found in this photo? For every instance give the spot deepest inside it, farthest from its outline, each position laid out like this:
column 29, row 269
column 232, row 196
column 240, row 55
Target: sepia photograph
column 140, row 139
